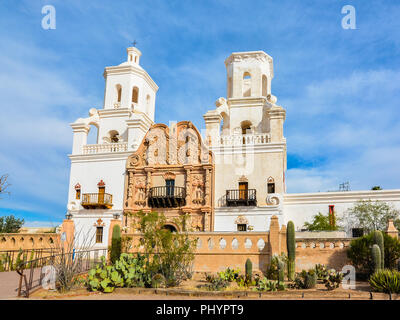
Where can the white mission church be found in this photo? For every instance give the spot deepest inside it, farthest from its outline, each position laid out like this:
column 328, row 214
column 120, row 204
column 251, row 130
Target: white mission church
column 230, row 179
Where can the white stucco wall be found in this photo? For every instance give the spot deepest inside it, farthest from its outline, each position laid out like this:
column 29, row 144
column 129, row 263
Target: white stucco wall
column 301, row 207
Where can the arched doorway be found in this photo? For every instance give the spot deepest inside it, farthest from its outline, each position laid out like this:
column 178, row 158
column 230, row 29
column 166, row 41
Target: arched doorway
column 170, row 227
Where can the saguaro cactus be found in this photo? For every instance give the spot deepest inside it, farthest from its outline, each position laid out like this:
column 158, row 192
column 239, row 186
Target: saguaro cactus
column 291, row 249
column 115, row 244
column 281, row 271
column 378, row 239
column 376, row 257
column 249, row 269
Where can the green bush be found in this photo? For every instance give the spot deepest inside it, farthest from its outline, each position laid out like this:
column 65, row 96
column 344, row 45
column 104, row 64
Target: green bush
column 332, row 279
column 269, row 285
column 387, row 281
column 322, row 271
column 229, row 274
column 272, row 272
column 128, row 271
column 215, row 283
column 359, row 253
column 245, row 281
column 158, row 281
column 305, row 279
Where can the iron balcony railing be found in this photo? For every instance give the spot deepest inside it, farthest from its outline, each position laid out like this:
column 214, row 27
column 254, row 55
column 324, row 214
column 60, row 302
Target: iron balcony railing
column 241, row 197
column 97, row 200
column 167, row 196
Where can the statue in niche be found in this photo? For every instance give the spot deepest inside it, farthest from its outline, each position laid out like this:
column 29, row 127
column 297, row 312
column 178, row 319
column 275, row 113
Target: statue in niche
column 140, row 186
column 198, row 185
column 188, row 143
column 156, row 150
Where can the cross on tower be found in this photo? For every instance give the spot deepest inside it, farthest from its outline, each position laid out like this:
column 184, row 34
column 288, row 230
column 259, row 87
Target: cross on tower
column 134, row 43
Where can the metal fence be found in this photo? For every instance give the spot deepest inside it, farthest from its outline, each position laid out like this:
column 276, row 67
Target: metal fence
column 9, row 258
column 32, row 272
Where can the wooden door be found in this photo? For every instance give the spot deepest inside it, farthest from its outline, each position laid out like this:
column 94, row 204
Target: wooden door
column 243, row 190
column 101, row 194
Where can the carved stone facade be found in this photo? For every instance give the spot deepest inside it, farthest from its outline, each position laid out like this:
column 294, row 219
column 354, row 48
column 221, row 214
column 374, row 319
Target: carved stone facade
column 174, row 153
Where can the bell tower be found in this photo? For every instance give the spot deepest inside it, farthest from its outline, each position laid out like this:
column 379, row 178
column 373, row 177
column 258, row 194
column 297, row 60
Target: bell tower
column 128, row 86
column 249, row 74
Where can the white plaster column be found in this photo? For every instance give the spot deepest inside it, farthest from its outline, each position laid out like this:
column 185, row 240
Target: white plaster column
column 80, row 131
column 213, row 122
column 137, row 129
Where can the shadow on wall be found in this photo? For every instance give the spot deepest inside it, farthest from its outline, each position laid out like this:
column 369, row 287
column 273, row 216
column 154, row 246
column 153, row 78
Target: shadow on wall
column 338, row 259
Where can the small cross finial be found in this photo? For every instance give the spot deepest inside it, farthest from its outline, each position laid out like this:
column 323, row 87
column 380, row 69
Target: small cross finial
column 134, row 43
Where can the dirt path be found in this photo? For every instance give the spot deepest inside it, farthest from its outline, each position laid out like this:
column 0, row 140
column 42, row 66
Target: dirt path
column 8, row 285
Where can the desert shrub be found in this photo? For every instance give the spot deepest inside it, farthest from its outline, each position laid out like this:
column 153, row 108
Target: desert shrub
column 168, row 253
column 305, row 280
column 387, row 281
column 272, row 272
column 158, row 281
column 229, row 274
column 322, row 271
column 360, row 256
column 215, row 283
column 245, row 281
column 269, row 285
column 128, row 271
column 332, row 279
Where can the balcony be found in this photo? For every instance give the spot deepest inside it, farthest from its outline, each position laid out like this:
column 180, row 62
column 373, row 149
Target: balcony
column 244, row 139
column 241, row 197
column 105, row 148
column 97, row 201
column 167, row 197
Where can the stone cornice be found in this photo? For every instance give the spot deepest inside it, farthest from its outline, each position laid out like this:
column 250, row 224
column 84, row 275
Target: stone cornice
column 246, row 102
column 258, row 148
column 257, row 55
column 131, row 69
column 341, row 196
column 113, row 113
column 109, row 156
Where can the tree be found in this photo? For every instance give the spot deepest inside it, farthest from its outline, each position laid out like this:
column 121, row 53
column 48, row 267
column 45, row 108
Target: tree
column 4, row 185
column 320, row 222
column 371, row 215
column 10, row 224
column 168, row 253
column 376, row 188
column 359, row 253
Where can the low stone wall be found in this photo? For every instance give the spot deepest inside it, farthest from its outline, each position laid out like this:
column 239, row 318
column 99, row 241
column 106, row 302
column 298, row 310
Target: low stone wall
column 218, row 251
column 328, row 251
column 25, row 241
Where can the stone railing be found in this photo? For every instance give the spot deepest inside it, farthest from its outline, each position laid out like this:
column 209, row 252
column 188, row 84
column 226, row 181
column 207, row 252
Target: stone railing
column 16, row 241
column 244, row 139
column 105, row 148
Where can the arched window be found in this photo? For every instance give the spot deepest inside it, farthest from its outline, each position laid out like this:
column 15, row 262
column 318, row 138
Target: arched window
column 135, row 94
column 246, row 84
column 119, row 92
column 114, row 136
column 246, row 127
column 92, row 137
column 264, row 85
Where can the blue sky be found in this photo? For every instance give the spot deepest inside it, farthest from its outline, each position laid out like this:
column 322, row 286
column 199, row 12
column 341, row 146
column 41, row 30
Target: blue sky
column 341, row 88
